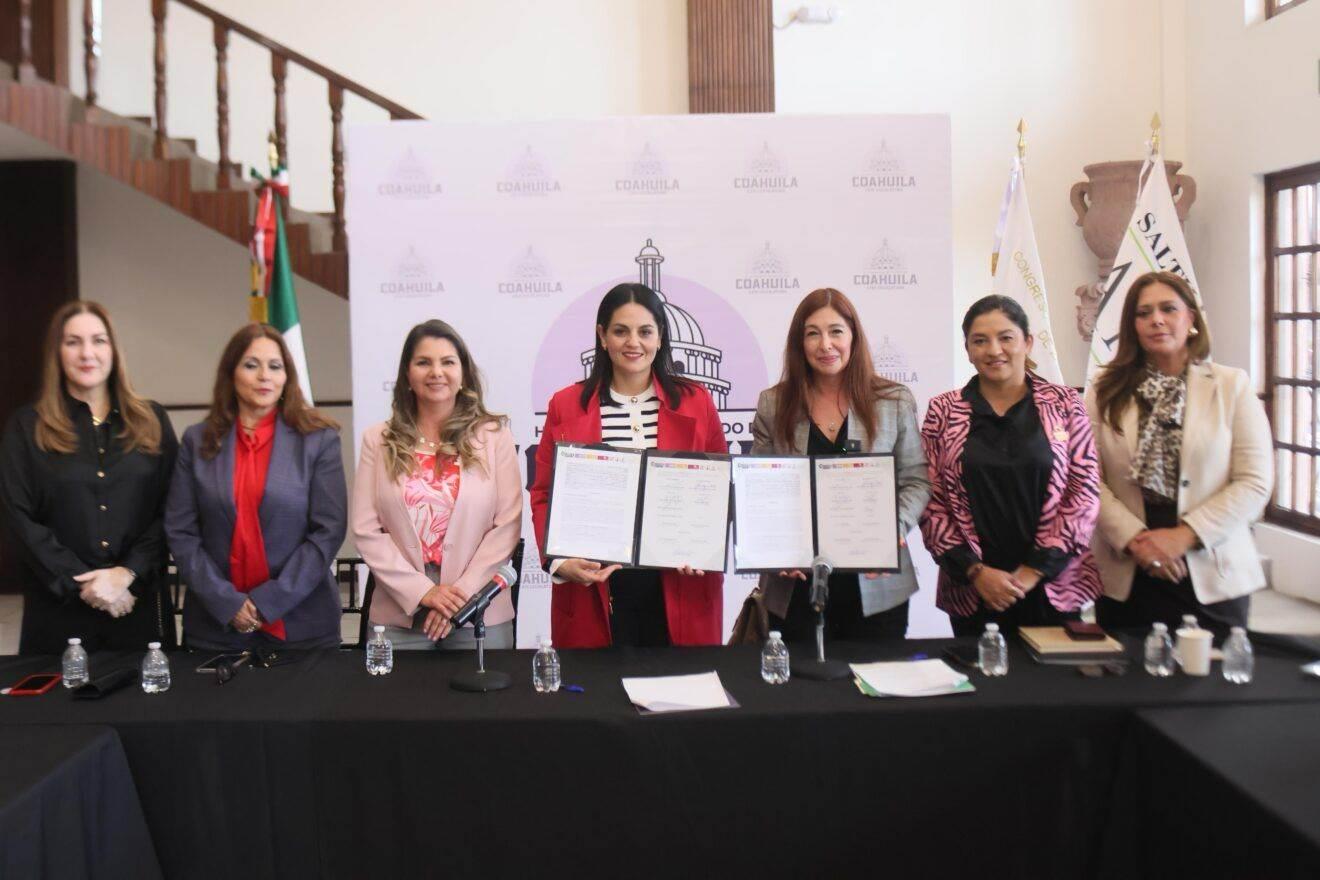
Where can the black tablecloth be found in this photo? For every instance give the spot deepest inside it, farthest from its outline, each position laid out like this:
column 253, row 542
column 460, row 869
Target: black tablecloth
column 68, row 808
column 1231, row 792
column 318, row 769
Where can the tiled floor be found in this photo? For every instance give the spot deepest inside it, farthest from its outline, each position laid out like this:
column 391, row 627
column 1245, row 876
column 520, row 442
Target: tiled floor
column 1270, row 612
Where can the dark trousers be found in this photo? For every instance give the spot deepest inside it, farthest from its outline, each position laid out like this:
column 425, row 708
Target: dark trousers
column 843, row 615
column 637, row 609
column 1032, row 610
column 1154, row 600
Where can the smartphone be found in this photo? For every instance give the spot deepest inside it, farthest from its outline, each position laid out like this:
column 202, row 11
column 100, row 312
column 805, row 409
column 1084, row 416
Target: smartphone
column 1080, row 631
column 233, row 661
column 33, row 685
column 966, row 657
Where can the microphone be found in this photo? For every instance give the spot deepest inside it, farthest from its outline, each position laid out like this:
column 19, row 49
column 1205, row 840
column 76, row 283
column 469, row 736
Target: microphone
column 821, row 568
column 505, row 577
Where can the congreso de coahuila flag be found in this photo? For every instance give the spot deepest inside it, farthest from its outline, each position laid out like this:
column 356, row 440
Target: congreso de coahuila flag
column 1152, row 242
column 273, row 301
column 1015, row 265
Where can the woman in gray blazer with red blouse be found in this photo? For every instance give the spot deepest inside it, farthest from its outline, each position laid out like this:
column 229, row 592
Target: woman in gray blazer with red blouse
column 257, row 508
column 830, row 401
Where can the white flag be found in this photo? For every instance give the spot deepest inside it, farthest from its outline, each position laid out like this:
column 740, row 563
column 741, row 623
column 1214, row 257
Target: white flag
column 1152, row 242
column 1018, row 275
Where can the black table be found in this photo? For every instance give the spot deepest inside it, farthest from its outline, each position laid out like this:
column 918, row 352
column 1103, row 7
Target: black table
column 318, row 769
column 1230, row 792
column 68, row 808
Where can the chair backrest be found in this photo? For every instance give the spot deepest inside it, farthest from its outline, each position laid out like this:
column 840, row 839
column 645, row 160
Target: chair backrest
column 365, row 620
column 517, row 561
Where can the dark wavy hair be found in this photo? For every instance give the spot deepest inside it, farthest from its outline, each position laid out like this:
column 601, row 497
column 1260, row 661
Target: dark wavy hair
column 995, row 302
column 662, row 368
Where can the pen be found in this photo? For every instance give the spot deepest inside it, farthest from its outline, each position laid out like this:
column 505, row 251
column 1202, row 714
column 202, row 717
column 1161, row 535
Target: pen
column 573, row 688
column 920, row 656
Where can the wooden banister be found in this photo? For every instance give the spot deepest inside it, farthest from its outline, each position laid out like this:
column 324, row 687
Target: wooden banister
column 396, row 111
column 91, row 51
column 222, row 103
column 27, row 72
column 158, row 8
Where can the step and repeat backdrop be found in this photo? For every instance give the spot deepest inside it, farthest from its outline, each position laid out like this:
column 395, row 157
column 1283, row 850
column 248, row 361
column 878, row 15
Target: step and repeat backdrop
column 512, row 232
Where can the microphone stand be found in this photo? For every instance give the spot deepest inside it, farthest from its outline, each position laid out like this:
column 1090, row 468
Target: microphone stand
column 820, row 669
column 482, row 680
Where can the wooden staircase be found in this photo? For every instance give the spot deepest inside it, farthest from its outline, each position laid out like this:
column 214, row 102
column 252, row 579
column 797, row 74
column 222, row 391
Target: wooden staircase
column 138, row 152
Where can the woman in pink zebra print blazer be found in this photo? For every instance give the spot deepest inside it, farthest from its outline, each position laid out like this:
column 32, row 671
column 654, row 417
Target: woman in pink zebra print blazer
column 1014, row 485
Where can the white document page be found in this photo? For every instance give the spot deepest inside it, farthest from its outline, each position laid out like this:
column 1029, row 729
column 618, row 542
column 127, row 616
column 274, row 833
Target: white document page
column 772, row 511
column 910, row 678
column 857, row 512
column 593, row 504
column 677, row 693
column 685, row 513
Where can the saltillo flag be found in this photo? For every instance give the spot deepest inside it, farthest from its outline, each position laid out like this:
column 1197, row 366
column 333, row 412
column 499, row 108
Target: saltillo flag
column 272, row 300
column 1015, row 265
column 1152, row 242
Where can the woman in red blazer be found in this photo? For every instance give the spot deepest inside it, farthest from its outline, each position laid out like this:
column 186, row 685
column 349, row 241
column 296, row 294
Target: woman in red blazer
column 632, row 399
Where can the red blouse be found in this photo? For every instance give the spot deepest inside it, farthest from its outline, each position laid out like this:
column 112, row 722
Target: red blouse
column 247, row 551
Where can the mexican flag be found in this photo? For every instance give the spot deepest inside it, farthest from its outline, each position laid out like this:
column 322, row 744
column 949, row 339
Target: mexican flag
column 273, row 301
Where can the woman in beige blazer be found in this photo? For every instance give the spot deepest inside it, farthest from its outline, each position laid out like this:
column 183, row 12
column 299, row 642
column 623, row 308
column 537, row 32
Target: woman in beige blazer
column 830, row 401
column 437, row 500
column 1186, row 460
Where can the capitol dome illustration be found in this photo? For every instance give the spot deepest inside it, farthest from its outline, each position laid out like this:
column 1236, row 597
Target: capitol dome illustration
column 767, row 264
column 693, row 358
column 528, row 167
column 648, row 164
column 529, row 267
column 764, row 162
column 886, row 259
column 884, row 162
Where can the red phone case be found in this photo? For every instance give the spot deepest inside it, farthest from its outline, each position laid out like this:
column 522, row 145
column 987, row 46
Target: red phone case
column 19, row 691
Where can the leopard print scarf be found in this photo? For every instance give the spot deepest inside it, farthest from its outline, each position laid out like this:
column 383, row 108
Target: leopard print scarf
column 1155, row 467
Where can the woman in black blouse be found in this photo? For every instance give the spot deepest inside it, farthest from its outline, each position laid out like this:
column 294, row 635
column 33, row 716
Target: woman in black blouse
column 83, row 476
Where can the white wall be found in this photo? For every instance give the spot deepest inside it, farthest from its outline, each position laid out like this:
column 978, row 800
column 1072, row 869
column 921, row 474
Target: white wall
column 1086, row 75
column 443, row 59
column 1253, row 108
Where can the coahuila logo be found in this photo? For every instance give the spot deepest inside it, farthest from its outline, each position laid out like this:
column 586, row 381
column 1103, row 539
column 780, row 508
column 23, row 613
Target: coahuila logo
column 527, row 176
column 412, row 278
column 648, row 175
column 891, row 363
column 884, row 172
column 768, row 274
column 409, row 179
column 885, row 271
column 764, row 174
column 530, row 278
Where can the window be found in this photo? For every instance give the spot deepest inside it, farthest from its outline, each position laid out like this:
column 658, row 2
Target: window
column 1274, row 7
column 1292, row 344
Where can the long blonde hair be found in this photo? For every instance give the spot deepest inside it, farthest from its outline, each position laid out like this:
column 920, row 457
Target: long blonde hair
column 55, row 431
column 458, row 436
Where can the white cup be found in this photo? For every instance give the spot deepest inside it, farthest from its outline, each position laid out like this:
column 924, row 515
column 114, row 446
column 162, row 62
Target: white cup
column 1194, row 650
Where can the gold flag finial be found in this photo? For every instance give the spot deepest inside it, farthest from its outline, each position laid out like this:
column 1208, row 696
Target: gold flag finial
column 1022, row 138
column 1155, row 133
column 273, row 152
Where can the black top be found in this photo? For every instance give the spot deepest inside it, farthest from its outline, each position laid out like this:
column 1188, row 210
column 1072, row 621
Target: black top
column 820, row 444
column 96, row 507
column 1007, row 463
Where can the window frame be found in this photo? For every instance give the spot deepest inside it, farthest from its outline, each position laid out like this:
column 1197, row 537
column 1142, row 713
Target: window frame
column 1278, row 7
column 1275, row 183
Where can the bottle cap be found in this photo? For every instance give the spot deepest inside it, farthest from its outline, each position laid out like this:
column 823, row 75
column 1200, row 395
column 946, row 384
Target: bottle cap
column 774, row 634
column 153, row 646
column 545, row 642
column 378, row 628
column 1159, row 627
column 992, row 627
column 1238, row 630
column 75, row 641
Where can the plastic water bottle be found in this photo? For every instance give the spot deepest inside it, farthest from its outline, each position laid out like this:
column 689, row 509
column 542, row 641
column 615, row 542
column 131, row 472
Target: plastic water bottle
column 545, row 668
column 774, row 660
column 155, row 670
column 74, row 665
column 1159, row 651
column 380, row 653
column 993, row 651
column 1239, row 660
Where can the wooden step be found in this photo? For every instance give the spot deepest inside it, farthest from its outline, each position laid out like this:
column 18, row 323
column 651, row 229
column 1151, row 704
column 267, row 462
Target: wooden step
column 106, row 147
column 227, row 211
column 330, row 270
column 164, row 179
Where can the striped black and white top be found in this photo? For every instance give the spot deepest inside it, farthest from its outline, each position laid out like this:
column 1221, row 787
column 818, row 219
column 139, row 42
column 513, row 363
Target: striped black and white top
column 632, row 421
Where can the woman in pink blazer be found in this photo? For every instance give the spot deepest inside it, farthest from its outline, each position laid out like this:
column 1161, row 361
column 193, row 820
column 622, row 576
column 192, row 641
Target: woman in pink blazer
column 437, row 500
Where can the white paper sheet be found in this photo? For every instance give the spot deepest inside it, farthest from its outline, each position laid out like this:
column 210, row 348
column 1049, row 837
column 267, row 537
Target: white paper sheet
column 911, row 678
column 593, row 504
column 857, row 512
column 685, row 513
column 677, row 693
column 772, row 511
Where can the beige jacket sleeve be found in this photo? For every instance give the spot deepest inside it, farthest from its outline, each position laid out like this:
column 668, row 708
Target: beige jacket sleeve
column 1251, row 470
column 1117, row 524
